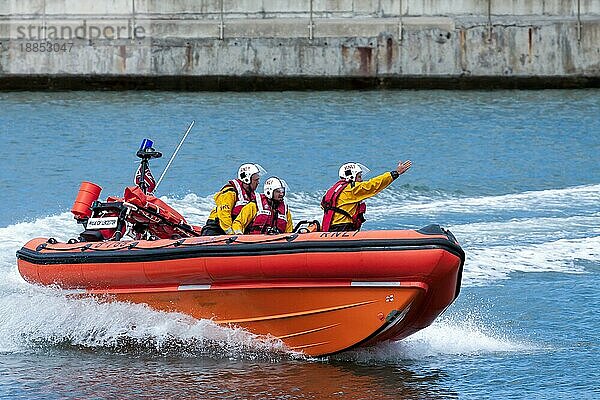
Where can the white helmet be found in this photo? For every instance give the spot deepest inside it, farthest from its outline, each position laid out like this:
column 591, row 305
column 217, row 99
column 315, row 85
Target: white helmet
column 349, row 171
column 272, row 184
column 246, row 171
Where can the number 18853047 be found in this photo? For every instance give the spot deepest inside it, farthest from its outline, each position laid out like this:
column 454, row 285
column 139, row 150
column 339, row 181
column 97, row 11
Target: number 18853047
column 46, row 47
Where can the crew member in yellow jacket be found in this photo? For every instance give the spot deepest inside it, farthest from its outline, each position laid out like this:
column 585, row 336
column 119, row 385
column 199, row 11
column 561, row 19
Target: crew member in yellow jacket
column 269, row 214
column 343, row 204
column 232, row 198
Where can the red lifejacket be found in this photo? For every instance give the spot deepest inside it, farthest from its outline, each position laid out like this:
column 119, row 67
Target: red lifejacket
column 329, row 204
column 268, row 220
column 242, row 196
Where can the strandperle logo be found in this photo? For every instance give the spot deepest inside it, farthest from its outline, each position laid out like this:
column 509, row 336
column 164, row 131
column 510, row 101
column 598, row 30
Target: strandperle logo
column 85, row 31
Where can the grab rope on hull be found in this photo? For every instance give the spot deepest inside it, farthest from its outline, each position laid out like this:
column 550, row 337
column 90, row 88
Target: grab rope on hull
column 175, row 243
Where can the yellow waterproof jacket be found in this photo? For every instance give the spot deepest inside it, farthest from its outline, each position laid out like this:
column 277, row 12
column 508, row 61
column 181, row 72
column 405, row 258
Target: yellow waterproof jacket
column 353, row 194
column 247, row 215
column 225, row 200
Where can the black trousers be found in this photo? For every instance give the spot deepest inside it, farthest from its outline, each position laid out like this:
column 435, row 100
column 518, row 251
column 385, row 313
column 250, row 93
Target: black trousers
column 212, row 228
column 347, row 227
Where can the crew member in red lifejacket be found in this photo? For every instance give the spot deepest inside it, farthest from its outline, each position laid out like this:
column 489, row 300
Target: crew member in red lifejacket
column 269, row 214
column 343, row 204
column 232, row 198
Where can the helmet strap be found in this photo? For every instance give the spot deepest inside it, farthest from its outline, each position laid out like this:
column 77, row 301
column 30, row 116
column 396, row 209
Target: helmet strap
column 246, row 187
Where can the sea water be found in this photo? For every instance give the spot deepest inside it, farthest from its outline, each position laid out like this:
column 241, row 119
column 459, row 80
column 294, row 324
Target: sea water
column 514, row 175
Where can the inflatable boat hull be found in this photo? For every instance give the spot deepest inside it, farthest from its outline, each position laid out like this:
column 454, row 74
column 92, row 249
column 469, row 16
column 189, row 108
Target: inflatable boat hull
column 320, row 293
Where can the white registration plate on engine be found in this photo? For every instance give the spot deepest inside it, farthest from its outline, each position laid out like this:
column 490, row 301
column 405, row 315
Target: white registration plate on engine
column 102, row 223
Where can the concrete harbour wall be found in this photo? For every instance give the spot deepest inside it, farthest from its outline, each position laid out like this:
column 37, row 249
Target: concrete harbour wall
column 281, row 44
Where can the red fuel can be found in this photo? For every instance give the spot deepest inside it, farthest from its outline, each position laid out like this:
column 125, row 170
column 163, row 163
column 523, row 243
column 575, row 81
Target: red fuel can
column 88, row 193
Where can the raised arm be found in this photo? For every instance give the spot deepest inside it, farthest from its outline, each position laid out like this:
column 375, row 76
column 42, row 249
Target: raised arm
column 365, row 189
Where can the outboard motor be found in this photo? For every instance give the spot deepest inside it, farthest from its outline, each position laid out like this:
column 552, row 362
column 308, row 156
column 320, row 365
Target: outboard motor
column 107, row 221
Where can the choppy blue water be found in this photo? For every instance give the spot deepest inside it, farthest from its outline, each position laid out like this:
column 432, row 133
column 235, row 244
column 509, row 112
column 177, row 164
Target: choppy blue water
column 515, row 175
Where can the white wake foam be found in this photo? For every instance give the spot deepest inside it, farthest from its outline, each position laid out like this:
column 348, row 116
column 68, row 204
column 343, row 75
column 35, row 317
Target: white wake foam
column 448, row 336
column 45, row 316
column 527, row 230
column 498, row 262
column 549, row 201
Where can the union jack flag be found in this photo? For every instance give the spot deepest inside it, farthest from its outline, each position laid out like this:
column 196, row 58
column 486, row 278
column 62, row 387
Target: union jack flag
column 149, row 181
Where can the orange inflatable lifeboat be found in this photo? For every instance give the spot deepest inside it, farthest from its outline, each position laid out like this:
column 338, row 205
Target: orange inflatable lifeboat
column 319, row 292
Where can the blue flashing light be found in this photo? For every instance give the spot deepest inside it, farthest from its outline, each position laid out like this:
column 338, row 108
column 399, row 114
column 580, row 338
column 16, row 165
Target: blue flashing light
column 146, row 144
